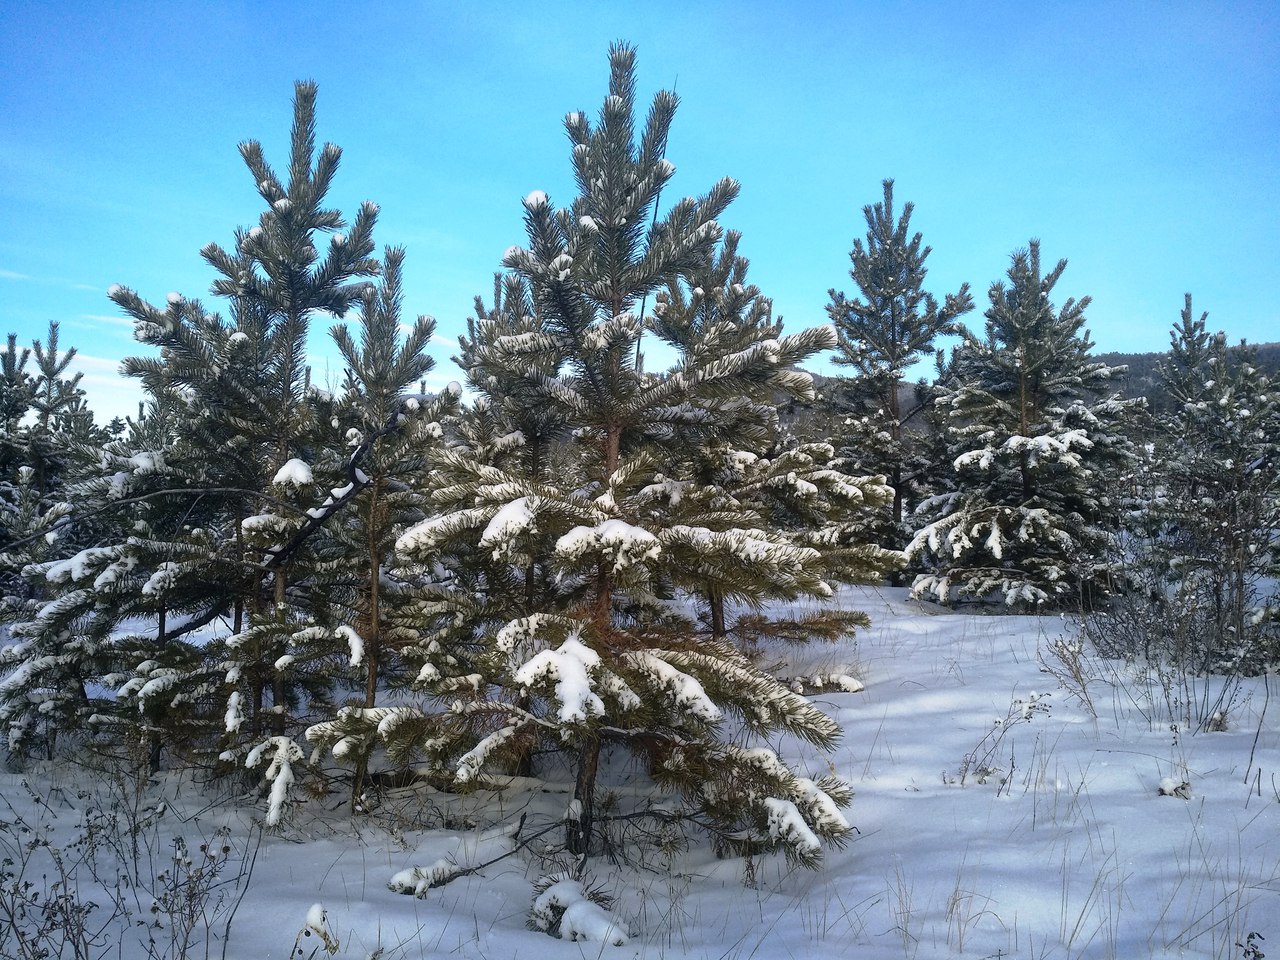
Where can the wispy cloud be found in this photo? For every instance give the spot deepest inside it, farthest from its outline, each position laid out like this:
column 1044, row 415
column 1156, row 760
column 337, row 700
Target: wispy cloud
column 96, row 365
column 437, row 340
column 107, row 318
column 49, row 281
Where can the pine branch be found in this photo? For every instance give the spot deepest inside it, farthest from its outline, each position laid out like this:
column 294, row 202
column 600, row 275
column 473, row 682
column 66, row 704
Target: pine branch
column 155, row 494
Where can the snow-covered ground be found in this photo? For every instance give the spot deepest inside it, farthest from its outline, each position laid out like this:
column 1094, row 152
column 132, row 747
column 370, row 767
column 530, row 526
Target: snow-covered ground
column 997, row 817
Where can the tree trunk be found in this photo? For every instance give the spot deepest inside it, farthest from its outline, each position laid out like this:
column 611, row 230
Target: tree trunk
column 716, row 602
column 372, row 633
column 277, row 676
column 153, row 754
column 581, row 826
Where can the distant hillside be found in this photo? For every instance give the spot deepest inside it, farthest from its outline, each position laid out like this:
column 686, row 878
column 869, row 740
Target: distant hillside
column 1144, row 376
column 1143, row 381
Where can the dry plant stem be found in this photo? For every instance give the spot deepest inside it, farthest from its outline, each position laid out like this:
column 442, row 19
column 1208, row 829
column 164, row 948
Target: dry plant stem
column 246, row 875
column 1262, row 715
column 522, row 844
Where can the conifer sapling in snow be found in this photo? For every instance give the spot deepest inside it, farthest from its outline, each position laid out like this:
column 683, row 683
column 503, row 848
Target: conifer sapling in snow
column 612, row 661
column 1034, row 428
column 882, row 333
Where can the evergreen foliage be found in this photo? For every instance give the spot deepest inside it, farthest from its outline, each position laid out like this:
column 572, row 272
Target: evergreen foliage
column 623, row 525
column 1035, row 434
column 576, row 569
column 48, row 441
column 1203, row 542
column 224, row 574
column 881, row 335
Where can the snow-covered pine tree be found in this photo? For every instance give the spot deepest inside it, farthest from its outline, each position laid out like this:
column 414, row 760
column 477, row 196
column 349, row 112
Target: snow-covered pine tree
column 886, row 330
column 1217, row 509
column 1035, row 430
column 276, row 279
column 470, row 585
column 249, row 419
column 377, row 616
column 49, row 441
column 613, row 663
column 237, row 469
column 20, row 508
column 62, row 421
column 740, row 466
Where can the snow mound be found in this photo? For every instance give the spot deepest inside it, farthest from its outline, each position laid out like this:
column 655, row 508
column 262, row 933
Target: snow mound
column 295, row 473
column 564, row 908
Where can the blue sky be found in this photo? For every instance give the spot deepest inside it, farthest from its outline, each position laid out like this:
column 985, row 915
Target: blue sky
column 1141, row 141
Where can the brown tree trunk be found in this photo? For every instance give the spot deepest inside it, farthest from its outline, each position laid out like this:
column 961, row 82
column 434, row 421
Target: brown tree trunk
column 277, row 677
column 716, row 602
column 153, row 754
column 580, row 829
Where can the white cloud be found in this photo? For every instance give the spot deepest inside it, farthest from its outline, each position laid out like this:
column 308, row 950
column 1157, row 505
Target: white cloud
column 113, row 327
column 49, row 281
column 96, row 365
column 107, row 392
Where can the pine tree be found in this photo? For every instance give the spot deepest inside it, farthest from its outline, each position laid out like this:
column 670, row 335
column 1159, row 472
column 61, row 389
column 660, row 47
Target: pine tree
column 20, row 503
column 611, row 660
column 16, row 391
column 740, row 462
column 49, row 440
column 1034, row 428
column 1216, row 509
column 882, row 334
column 250, row 382
column 221, row 529
column 377, row 616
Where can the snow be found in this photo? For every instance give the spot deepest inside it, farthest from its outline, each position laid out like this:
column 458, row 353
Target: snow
column 234, row 718
column 509, row 522
column 354, row 642
column 262, row 523
column 686, row 691
column 417, row 881
column 146, row 462
column 165, row 576
column 79, row 566
column 1069, row 849
column 295, row 473
column 786, row 823
column 174, row 298
column 316, row 917
column 625, row 542
column 569, row 668
column 579, row 917
column 279, row 772
column 536, row 198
